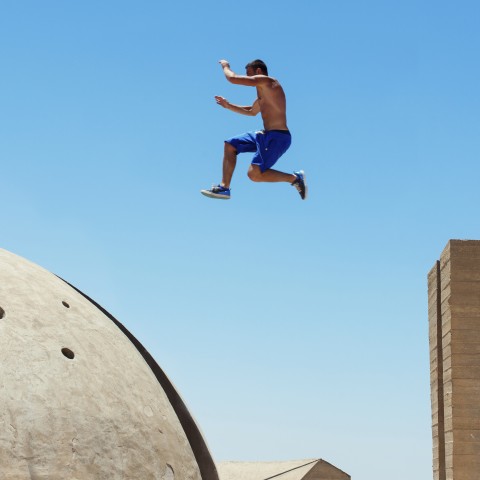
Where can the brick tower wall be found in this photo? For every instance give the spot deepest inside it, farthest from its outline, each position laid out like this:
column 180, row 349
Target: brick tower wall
column 454, row 331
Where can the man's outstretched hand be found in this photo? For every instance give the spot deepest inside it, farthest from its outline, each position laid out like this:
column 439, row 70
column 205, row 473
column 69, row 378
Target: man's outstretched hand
column 221, row 101
column 224, row 63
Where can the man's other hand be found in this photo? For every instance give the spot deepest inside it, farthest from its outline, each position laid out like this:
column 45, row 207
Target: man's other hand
column 221, row 101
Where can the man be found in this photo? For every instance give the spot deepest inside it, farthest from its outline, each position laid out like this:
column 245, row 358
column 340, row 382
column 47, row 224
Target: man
column 268, row 144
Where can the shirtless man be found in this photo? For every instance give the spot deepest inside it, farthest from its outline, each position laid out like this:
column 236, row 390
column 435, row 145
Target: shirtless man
column 268, row 144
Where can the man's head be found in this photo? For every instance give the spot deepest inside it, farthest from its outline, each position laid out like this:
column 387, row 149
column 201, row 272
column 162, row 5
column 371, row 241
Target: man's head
column 253, row 68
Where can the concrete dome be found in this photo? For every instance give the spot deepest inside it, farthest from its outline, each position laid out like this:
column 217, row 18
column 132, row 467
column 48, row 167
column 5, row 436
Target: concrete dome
column 80, row 398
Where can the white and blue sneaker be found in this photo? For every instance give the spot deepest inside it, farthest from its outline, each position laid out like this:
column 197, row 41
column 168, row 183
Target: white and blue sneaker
column 217, row 191
column 300, row 184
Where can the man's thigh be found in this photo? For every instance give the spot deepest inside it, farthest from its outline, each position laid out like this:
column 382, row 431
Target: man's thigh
column 246, row 142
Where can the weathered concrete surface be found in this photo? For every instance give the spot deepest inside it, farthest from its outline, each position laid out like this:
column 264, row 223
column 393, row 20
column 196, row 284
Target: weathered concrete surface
column 312, row 469
column 78, row 399
column 454, row 321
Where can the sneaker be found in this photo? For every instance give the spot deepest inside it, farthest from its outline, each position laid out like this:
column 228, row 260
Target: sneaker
column 300, row 184
column 217, row 191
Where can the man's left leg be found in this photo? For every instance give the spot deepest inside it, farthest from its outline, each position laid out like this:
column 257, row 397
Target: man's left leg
column 297, row 179
column 271, row 145
column 256, row 175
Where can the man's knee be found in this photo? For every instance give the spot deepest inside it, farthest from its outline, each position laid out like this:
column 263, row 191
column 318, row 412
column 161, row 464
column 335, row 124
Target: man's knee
column 229, row 148
column 254, row 173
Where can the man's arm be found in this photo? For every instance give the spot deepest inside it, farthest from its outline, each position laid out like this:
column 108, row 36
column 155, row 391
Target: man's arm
column 250, row 111
column 232, row 77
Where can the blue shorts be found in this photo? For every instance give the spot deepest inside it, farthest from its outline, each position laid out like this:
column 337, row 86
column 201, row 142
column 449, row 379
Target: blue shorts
column 268, row 145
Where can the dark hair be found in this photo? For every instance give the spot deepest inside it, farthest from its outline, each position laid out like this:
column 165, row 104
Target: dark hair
column 258, row 64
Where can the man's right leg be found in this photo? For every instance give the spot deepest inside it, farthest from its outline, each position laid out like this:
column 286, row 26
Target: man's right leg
column 233, row 146
column 229, row 163
column 222, row 191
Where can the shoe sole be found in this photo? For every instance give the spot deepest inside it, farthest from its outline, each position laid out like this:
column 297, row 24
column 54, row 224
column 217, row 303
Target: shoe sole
column 214, row 195
column 304, row 183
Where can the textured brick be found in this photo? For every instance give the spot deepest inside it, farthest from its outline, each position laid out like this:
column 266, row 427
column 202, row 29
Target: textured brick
column 454, row 337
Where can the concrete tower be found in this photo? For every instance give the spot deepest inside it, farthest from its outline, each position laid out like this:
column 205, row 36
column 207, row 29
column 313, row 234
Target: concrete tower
column 454, row 321
column 80, row 398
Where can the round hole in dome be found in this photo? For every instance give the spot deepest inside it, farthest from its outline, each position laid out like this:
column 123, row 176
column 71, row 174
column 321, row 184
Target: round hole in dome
column 65, row 304
column 68, row 353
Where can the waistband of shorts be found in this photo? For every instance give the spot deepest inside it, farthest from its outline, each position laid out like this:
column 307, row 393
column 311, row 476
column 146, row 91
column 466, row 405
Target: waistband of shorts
column 286, row 132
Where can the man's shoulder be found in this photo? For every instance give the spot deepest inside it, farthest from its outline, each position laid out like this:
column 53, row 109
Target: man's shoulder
column 268, row 82
column 265, row 79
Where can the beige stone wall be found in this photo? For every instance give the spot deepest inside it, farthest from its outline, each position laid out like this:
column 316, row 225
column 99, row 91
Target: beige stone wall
column 283, row 470
column 454, row 323
column 436, row 371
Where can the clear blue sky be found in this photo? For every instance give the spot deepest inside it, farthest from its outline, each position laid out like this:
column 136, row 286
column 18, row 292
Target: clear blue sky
column 292, row 329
